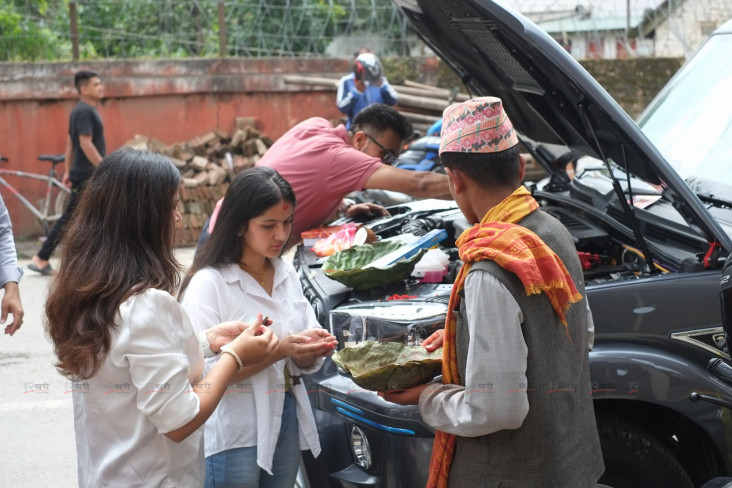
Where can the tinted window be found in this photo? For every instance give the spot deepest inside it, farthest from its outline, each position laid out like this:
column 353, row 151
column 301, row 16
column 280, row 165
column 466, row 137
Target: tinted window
column 690, row 121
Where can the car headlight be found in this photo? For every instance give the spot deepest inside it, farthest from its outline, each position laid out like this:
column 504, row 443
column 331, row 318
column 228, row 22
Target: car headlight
column 360, row 447
column 409, row 323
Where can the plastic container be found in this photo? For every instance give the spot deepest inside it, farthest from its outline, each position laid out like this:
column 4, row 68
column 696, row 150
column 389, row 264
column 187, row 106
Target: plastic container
column 432, row 267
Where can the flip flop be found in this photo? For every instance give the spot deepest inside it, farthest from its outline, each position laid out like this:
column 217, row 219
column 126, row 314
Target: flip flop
column 47, row 270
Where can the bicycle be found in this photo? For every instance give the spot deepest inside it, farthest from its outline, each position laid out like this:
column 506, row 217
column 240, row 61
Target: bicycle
column 60, row 195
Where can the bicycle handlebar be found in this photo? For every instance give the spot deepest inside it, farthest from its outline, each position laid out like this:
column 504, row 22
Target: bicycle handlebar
column 3, row 159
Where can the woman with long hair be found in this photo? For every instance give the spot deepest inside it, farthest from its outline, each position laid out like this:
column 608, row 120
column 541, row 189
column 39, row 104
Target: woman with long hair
column 124, row 340
column 255, row 436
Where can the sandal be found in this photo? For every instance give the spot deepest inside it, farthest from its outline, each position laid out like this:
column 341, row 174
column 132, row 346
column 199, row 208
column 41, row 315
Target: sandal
column 47, row 270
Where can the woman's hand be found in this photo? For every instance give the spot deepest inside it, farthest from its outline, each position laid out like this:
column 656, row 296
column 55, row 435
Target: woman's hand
column 325, row 339
column 435, row 341
column 226, row 332
column 255, row 343
column 304, row 348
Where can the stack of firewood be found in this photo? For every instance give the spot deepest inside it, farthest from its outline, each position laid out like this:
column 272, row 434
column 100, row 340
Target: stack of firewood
column 207, row 163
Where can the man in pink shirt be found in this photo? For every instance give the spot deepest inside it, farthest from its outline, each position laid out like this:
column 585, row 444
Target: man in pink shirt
column 323, row 164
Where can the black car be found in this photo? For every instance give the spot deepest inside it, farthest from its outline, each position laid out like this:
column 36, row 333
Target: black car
column 650, row 210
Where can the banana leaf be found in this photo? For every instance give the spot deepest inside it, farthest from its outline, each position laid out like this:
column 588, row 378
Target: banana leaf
column 349, row 265
column 388, row 366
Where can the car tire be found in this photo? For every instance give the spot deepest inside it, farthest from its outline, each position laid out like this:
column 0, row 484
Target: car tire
column 634, row 457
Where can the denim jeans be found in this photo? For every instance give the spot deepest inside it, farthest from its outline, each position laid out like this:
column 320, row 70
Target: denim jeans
column 237, row 468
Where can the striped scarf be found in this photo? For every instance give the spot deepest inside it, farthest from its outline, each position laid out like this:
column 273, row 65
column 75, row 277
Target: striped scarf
column 515, row 249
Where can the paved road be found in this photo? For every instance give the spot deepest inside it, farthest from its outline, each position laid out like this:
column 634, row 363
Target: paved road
column 36, row 414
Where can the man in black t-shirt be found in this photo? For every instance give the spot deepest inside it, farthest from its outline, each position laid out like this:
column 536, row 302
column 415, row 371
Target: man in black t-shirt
column 85, row 148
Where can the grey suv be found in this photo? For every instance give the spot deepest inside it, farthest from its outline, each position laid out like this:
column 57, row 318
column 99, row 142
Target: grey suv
column 650, row 210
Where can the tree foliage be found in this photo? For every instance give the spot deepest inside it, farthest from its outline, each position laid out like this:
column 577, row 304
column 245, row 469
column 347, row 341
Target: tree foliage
column 33, row 30
column 24, row 31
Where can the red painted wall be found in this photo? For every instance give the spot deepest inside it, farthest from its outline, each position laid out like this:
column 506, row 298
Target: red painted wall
column 172, row 101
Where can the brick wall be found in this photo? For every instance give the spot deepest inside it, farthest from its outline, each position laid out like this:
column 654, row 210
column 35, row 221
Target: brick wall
column 176, row 100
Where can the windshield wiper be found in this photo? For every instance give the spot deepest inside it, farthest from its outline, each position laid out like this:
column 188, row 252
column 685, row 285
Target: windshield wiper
column 647, row 256
column 717, row 202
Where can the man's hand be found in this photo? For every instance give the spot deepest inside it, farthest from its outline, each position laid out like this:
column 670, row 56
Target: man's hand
column 366, row 209
column 410, row 396
column 11, row 304
column 66, row 180
column 434, row 341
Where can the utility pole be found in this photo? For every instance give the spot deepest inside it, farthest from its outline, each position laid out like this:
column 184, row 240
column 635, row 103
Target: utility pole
column 627, row 27
column 222, row 30
column 74, row 31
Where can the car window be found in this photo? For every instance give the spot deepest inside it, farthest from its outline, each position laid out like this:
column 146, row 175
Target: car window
column 690, row 121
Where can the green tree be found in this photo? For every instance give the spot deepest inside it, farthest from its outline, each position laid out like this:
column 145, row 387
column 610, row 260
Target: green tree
column 282, row 27
column 39, row 29
column 147, row 28
column 25, row 34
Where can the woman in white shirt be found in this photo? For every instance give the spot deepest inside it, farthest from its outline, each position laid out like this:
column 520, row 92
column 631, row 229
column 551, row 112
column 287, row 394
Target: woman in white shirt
column 124, row 340
column 255, row 436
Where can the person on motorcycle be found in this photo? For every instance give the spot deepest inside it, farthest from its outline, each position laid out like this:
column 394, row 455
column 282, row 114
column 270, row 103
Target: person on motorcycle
column 364, row 85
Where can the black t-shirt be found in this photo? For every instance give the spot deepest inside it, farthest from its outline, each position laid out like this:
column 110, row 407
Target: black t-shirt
column 84, row 121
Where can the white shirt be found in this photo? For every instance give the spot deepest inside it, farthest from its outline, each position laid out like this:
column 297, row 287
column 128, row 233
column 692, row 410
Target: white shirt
column 250, row 412
column 494, row 396
column 142, row 390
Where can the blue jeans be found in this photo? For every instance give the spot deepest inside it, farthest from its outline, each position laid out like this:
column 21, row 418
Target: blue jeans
column 237, row 468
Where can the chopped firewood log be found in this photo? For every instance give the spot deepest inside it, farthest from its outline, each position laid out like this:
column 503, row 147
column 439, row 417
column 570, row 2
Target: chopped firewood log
column 207, row 163
column 243, row 122
column 199, row 163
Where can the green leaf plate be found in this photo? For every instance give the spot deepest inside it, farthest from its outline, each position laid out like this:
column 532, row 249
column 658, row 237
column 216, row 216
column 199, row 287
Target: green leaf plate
column 348, row 266
column 388, row 366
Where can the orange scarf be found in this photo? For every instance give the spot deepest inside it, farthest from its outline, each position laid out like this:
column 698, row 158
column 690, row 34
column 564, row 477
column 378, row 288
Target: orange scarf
column 515, row 249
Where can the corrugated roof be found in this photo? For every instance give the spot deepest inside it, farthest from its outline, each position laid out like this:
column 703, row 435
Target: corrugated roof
column 592, row 24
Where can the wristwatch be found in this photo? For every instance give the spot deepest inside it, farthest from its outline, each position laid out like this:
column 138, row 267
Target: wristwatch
column 207, row 351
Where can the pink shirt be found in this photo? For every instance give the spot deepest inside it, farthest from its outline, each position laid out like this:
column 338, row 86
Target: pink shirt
column 321, row 166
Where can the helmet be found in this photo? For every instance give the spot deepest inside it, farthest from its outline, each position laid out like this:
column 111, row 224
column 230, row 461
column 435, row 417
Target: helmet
column 367, row 67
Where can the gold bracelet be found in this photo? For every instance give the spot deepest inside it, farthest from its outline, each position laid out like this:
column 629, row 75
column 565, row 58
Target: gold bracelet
column 227, row 350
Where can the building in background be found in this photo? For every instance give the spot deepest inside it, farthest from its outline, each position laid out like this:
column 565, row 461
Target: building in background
column 628, row 28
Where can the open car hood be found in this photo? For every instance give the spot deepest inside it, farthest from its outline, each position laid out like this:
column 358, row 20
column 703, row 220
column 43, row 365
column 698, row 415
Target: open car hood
column 548, row 95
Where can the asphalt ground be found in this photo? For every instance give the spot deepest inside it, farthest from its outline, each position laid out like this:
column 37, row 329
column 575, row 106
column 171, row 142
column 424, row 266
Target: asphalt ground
column 36, row 413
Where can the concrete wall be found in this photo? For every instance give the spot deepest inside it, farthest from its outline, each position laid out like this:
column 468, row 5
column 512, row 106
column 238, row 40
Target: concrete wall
column 633, row 82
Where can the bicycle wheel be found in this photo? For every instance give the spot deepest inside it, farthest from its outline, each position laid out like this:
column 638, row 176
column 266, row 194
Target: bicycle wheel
column 59, row 206
column 62, row 200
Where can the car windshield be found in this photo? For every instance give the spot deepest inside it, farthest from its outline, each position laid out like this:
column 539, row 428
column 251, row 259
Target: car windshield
column 690, row 122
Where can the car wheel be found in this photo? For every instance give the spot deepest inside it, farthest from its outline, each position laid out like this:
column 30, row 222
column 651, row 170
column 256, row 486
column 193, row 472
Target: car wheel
column 634, row 457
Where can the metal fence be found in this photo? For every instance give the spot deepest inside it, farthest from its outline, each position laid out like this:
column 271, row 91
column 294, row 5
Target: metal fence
column 51, row 30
